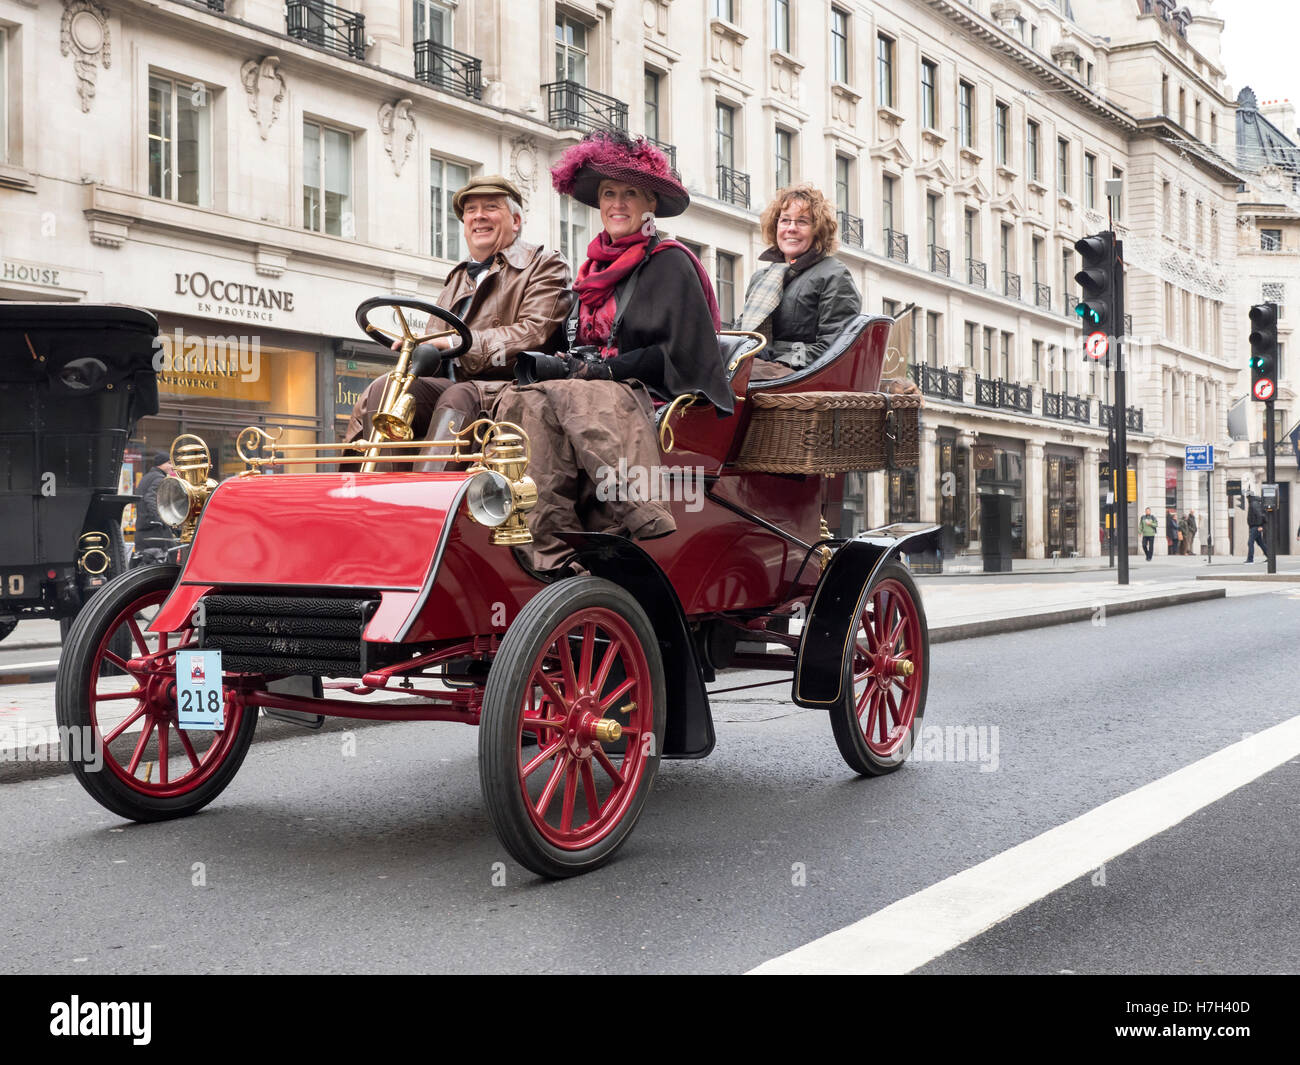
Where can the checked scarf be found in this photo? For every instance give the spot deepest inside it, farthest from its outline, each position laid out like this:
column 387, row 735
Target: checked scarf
column 764, row 297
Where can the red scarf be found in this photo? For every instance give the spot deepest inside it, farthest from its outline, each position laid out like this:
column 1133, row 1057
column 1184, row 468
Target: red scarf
column 608, row 262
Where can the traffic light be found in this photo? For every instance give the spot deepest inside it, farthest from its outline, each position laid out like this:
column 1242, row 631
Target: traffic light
column 1263, row 351
column 1097, row 282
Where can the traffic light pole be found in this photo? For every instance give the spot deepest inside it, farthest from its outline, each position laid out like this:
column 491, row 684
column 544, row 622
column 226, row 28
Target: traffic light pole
column 1119, row 419
column 1270, row 516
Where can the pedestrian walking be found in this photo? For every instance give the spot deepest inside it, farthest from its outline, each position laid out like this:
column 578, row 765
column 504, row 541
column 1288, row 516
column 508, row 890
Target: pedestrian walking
column 1184, row 533
column 1191, row 532
column 1255, row 519
column 1147, row 526
column 1171, row 530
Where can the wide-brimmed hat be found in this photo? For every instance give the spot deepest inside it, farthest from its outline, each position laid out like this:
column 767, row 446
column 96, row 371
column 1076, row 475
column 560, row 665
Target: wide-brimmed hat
column 614, row 155
column 488, row 185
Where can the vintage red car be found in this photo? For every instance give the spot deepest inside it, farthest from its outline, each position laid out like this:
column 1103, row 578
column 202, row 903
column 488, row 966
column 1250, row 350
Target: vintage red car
column 381, row 584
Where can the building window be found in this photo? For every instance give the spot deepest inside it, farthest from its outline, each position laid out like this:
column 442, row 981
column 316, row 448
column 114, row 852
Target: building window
column 840, row 45
column 575, row 229
column 1089, row 180
column 1063, row 166
column 1031, row 150
column 844, row 184
column 966, row 114
column 1164, row 94
column 327, row 180
column 929, row 94
column 1004, row 366
column 1003, row 119
column 968, row 352
column 725, row 282
column 884, row 71
column 180, row 139
column 653, row 104
column 724, row 125
column 444, row 179
column 1117, row 201
column 784, row 155
column 1037, row 368
column 1270, row 240
column 933, row 212
column 931, row 338
column 1008, row 247
column 970, row 231
column 781, row 25
column 986, row 363
column 887, row 185
column 433, row 22
column 1036, row 261
column 570, row 49
column 723, row 9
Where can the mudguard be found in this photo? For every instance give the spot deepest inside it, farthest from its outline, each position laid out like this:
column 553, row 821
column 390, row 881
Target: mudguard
column 689, row 729
column 839, row 601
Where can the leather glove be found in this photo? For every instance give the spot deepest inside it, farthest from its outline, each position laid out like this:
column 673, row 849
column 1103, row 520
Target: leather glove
column 596, row 369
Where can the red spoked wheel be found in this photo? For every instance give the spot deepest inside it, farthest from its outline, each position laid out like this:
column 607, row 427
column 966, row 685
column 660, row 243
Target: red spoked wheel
column 127, row 749
column 886, row 676
column 579, row 670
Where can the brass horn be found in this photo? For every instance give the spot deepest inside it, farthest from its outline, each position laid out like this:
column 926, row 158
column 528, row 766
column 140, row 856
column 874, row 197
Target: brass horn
column 93, row 557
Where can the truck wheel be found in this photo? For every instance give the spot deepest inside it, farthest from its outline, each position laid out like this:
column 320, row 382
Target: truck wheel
column 885, row 680
column 124, row 745
column 581, row 656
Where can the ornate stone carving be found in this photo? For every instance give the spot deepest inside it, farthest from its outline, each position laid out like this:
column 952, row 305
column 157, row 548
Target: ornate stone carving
column 785, row 71
column 83, row 34
column 264, row 85
column 654, row 16
column 523, row 164
column 398, row 127
column 725, row 44
column 844, row 105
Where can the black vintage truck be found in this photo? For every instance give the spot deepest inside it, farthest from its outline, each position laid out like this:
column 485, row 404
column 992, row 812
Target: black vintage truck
column 74, row 380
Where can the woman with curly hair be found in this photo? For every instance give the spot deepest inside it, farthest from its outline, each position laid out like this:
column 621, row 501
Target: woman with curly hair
column 806, row 296
column 643, row 331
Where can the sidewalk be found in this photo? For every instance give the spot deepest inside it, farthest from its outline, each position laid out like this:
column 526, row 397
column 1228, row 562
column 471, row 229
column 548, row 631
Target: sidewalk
column 956, row 609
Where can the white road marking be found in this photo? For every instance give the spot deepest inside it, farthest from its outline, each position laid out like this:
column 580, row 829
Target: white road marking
column 913, row 931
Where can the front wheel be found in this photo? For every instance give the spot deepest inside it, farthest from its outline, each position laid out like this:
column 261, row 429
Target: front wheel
column 580, row 670
column 886, row 676
column 124, row 742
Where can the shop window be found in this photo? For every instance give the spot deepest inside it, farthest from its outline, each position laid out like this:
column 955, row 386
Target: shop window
column 1062, row 502
column 444, row 231
column 903, row 505
column 180, row 139
column 327, row 180
column 953, row 493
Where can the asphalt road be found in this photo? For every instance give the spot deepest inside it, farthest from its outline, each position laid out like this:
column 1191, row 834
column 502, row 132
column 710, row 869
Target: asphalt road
column 315, row 861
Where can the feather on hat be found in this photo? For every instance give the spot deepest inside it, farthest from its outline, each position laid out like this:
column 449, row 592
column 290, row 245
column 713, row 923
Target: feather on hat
column 614, row 155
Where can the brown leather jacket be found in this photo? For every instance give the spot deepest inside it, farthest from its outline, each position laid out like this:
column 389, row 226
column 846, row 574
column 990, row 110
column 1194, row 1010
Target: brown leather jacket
column 519, row 304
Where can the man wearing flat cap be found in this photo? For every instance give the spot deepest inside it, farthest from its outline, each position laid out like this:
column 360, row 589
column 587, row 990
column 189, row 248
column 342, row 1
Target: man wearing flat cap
column 514, row 297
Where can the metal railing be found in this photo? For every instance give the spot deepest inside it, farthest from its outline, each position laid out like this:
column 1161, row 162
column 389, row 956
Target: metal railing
column 1071, row 303
column 1076, row 409
column 1133, row 417
column 670, row 150
column 896, row 245
column 1042, row 295
column 990, row 392
column 733, row 186
column 986, row 392
column 937, row 381
column 1010, row 285
column 450, row 70
column 940, row 261
column 570, row 105
column 977, row 273
column 327, row 26
column 851, row 230
column 1259, row 449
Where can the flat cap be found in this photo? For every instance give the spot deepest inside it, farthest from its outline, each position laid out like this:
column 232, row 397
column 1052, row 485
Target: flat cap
column 488, row 185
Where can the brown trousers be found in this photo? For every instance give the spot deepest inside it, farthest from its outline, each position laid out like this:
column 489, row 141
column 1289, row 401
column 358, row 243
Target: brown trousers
column 578, row 432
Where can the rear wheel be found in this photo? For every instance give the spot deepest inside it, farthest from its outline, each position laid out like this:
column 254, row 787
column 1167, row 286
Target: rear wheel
column 580, row 670
column 885, row 680
column 126, row 747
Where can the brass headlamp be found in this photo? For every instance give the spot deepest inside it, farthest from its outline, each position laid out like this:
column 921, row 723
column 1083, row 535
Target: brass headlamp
column 501, row 492
column 181, row 498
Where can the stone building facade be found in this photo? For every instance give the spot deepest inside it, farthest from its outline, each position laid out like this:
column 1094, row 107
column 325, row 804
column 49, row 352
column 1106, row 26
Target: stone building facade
column 255, row 168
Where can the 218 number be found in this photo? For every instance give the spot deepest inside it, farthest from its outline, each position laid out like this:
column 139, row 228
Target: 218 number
column 193, row 702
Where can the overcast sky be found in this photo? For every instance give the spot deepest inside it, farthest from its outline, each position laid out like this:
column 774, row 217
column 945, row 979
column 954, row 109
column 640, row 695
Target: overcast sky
column 1260, row 39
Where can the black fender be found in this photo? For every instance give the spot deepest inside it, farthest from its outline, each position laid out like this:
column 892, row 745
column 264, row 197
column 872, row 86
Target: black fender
column 688, row 732
column 837, row 603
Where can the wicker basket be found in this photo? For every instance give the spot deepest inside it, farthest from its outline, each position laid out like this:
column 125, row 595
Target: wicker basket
column 831, row 432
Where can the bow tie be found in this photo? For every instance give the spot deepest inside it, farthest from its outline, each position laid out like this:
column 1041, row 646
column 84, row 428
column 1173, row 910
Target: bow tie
column 476, row 268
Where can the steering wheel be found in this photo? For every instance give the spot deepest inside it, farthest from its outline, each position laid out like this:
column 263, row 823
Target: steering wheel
column 375, row 333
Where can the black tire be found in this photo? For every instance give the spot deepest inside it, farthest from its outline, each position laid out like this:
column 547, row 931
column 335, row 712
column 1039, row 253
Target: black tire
column 500, row 751
column 876, row 757
column 75, row 681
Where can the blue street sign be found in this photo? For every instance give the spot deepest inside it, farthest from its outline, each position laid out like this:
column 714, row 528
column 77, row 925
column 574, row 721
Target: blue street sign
column 1200, row 458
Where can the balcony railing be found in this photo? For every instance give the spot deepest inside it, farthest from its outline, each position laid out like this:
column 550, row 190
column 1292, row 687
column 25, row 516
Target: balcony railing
column 936, row 381
column 570, row 105
column 219, row 6
column 896, row 245
column 851, row 230
column 1004, row 394
column 1010, row 285
column 940, row 261
column 327, row 26
column 1070, row 408
column 1128, row 325
column 1043, row 296
column 1258, row 449
column 1132, row 417
column 449, row 70
column 733, row 186
column 1071, row 305
column 670, row 150
column 977, row 273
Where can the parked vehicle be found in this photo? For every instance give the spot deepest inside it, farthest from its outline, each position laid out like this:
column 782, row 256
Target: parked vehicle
column 74, row 380
column 379, row 583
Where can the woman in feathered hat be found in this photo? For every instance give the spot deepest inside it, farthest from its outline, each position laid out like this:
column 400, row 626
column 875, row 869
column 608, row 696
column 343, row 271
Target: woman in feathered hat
column 643, row 330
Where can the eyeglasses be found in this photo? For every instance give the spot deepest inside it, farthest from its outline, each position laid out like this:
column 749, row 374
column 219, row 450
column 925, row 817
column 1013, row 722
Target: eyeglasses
column 800, row 223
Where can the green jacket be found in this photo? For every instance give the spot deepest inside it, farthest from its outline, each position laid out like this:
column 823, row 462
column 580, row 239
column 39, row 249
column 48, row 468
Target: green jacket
column 1147, row 525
